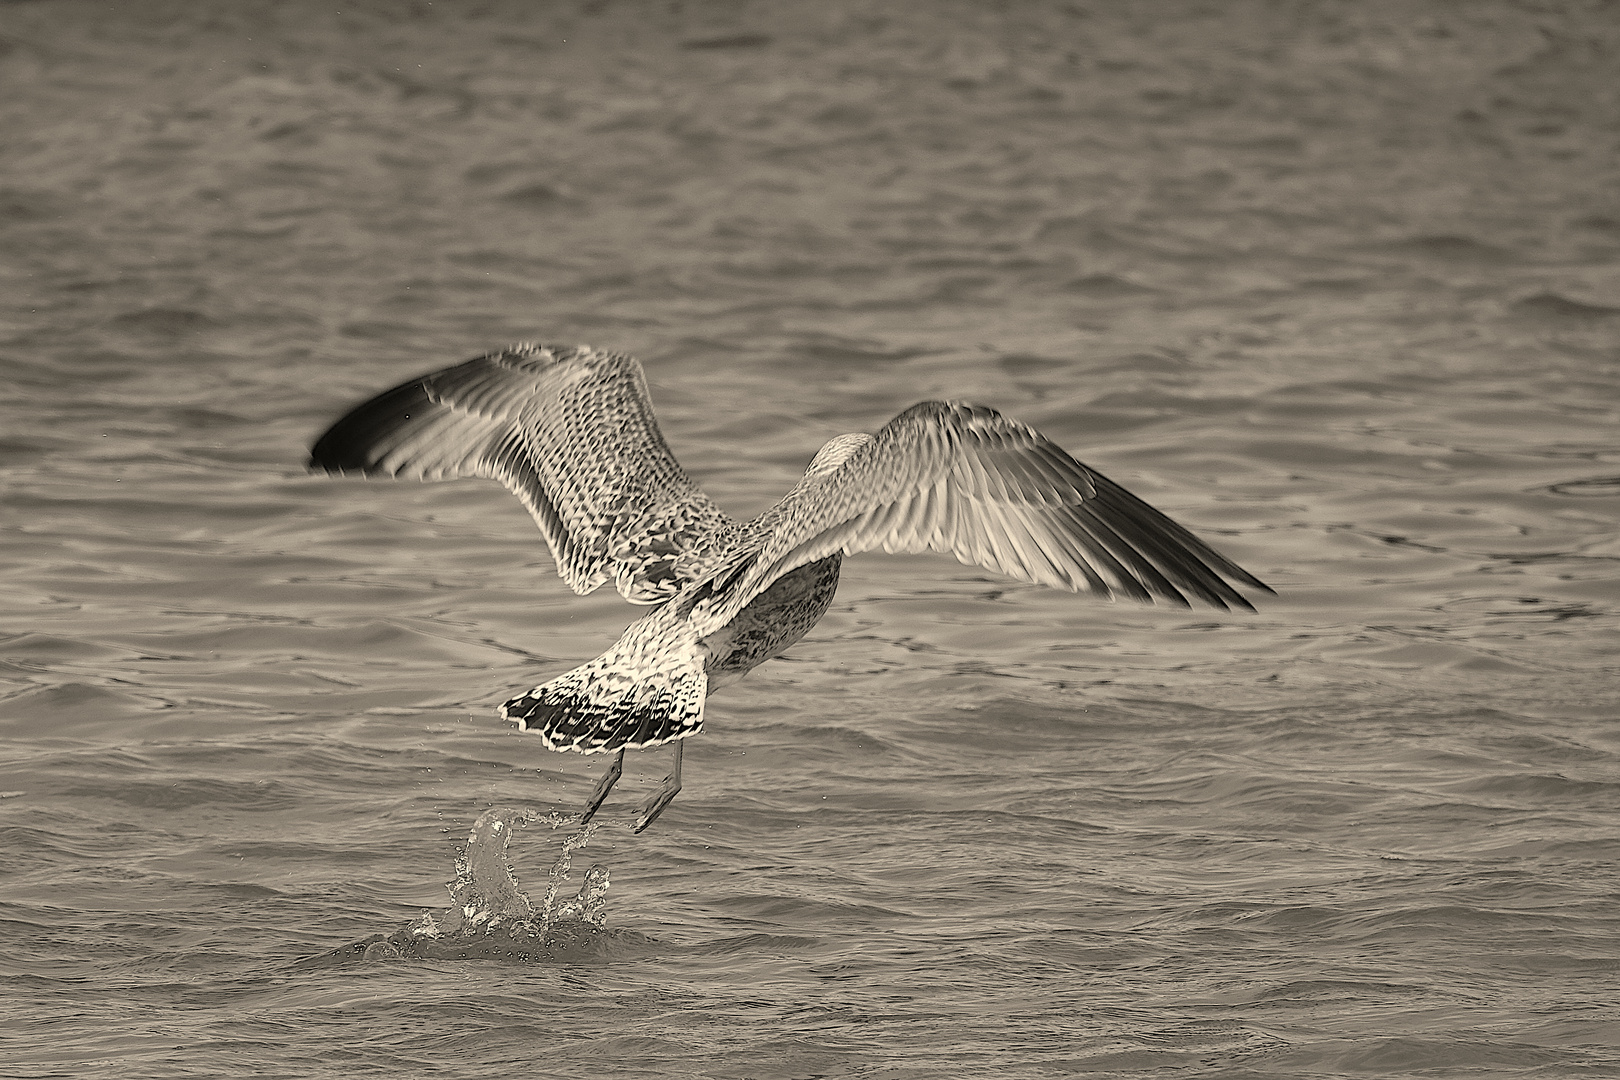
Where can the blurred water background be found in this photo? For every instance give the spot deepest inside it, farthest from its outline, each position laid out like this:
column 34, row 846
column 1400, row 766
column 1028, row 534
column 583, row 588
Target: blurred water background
column 1336, row 284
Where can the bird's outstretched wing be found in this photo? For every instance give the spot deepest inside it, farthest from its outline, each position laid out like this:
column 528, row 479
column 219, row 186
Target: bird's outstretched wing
column 571, row 432
column 964, row 479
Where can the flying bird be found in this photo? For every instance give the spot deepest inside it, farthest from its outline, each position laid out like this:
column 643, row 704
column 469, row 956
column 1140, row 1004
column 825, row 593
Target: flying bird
column 571, row 432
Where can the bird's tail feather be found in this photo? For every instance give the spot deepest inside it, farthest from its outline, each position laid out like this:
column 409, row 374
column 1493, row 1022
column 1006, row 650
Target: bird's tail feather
column 646, row 690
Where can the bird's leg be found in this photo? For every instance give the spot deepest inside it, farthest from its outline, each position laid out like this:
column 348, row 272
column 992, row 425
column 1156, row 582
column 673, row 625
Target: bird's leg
column 665, row 793
column 603, row 786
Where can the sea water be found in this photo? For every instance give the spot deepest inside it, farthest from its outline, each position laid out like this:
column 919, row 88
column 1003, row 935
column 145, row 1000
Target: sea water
column 1337, row 286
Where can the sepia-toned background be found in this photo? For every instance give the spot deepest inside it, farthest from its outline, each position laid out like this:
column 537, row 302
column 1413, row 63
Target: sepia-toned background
column 1335, row 284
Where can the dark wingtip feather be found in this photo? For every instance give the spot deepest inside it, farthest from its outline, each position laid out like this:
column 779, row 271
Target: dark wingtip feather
column 1188, row 561
column 353, row 443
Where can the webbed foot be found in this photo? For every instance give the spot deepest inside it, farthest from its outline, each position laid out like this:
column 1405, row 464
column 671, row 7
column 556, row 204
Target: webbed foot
column 663, row 796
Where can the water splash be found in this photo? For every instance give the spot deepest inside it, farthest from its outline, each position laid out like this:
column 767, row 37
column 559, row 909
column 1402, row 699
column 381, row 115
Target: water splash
column 486, row 891
column 492, row 918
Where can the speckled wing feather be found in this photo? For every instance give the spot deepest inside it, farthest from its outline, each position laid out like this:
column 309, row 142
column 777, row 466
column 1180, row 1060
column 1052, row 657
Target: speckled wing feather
column 966, row 480
column 571, row 432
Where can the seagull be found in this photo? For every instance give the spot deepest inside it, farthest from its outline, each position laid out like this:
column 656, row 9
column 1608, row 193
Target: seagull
column 571, row 432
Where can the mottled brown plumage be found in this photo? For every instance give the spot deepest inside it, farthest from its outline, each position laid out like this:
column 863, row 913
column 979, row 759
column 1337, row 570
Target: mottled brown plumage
column 572, row 433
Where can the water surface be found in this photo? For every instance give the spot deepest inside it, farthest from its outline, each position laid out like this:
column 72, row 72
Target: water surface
column 1337, row 286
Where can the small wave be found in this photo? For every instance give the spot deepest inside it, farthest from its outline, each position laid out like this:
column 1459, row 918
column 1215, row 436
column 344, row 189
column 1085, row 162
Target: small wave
column 1407, row 1054
column 249, row 794
column 759, row 943
column 1462, row 249
column 167, row 322
column 729, row 41
column 1539, row 788
column 1592, row 488
column 1105, row 287
column 1342, row 992
column 1550, row 306
column 47, row 705
column 540, row 195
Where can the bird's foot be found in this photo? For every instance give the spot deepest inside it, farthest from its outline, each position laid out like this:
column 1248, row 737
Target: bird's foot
column 664, row 795
column 660, row 799
column 603, row 786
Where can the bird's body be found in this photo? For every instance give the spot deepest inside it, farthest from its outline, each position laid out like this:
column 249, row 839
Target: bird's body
column 571, row 432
